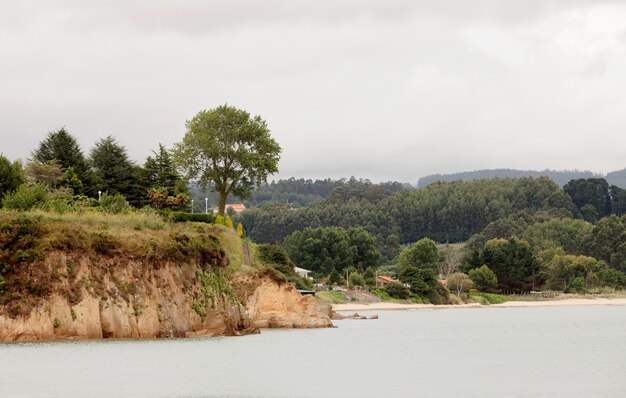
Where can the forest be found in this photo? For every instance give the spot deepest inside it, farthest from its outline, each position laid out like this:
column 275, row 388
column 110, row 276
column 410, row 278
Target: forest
column 518, row 234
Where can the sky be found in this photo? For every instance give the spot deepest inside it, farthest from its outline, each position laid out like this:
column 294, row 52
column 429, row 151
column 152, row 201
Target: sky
column 385, row 90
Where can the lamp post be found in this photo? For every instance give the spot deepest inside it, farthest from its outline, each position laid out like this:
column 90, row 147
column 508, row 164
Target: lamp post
column 206, row 205
column 99, row 195
column 191, row 206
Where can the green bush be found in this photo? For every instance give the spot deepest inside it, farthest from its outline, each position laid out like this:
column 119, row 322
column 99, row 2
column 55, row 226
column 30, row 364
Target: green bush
column 26, row 197
column 398, row 290
column 484, row 279
column 115, row 204
column 179, row 216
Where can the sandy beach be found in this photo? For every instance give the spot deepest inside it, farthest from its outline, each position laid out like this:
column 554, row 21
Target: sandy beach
column 518, row 303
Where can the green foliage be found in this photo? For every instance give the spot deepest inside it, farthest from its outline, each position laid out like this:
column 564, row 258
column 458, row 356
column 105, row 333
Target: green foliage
column 398, row 291
column 216, row 289
column 445, row 212
column 26, row 197
column 276, row 256
column 607, row 241
column 334, row 278
column 48, row 173
column 161, row 172
column 199, row 308
column 114, row 172
column 229, row 150
column 420, row 280
column 11, row 176
column 422, row 254
column 484, row 279
column 178, row 216
column 459, row 283
column 115, row 204
column 356, row 279
column 330, row 297
column 324, row 249
column 488, row 298
column 514, row 264
column 70, row 180
column 591, row 197
column 159, row 199
column 56, row 323
column 103, row 243
column 219, row 220
column 567, row 233
column 61, row 146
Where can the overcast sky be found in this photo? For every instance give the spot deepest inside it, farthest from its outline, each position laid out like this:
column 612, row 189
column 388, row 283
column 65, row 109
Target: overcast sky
column 386, row 90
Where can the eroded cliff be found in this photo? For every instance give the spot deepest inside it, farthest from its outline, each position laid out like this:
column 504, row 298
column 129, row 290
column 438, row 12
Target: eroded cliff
column 73, row 281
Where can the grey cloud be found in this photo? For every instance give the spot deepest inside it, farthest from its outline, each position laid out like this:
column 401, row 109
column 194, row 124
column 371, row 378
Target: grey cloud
column 386, row 90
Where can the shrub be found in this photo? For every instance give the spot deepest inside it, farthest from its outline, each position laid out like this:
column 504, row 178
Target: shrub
column 115, row 204
column 276, row 256
column 103, row 243
column 460, row 283
column 484, row 279
column 179, row 216
column 26, row 197
column 398, row 290
column 356, row 279
column 56, row 323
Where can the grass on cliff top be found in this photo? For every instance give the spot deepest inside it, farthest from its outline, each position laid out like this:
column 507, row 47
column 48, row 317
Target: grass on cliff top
column 143, row 233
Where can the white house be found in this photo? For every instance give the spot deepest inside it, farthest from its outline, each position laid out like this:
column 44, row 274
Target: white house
column 302, row 272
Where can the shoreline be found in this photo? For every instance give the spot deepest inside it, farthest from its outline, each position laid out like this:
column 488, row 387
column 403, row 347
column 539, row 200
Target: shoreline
column 566, row 302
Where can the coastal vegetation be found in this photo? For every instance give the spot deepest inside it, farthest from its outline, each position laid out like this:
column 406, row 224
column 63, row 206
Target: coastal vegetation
column 444, row 242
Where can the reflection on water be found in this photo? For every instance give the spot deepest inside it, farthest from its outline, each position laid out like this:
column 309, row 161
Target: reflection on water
column 486, row 352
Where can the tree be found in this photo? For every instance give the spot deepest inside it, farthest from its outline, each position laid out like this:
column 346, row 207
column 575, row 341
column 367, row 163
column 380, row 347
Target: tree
column 590, row 191
column 48, row 173
column 459, row 282
column 398, row 290
column 161, row 172
column 514, row 264
column 61, row 146
column 484, row 279
column 114, row 171
column 228, row 149
column 11, row 176
column 422, row 254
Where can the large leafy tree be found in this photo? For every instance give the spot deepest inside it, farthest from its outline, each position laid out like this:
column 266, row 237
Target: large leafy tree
column 229, row 150
column 325, row 249
column 62, row 147
column 11, row 175
column 590, row 192
column 514, row 264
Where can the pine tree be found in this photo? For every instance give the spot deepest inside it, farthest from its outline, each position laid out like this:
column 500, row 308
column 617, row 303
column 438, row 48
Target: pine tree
column 240, row 230
column 219, row 220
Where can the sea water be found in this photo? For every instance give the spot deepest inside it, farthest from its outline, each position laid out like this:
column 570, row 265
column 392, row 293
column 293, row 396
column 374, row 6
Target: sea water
column 468, row 352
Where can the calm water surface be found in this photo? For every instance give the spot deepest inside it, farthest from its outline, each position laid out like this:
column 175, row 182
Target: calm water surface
column 484, row 352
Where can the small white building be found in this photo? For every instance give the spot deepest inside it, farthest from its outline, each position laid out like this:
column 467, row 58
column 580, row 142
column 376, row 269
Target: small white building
column 304, row 273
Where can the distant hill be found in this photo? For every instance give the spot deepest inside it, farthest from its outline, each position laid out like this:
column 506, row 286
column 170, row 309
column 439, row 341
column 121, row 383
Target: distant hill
column 561, row 177
column 617, row 178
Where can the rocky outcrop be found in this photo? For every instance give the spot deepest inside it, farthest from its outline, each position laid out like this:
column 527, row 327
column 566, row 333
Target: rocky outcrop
column 120, row 298
column 273, row 304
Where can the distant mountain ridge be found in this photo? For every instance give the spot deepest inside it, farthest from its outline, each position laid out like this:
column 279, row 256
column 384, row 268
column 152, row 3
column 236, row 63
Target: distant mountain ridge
column 561, row 177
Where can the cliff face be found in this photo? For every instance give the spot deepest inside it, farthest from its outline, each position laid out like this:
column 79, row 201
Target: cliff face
column 102, row 276
column 124, row 300
column 133, row 300
column 275, row 304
